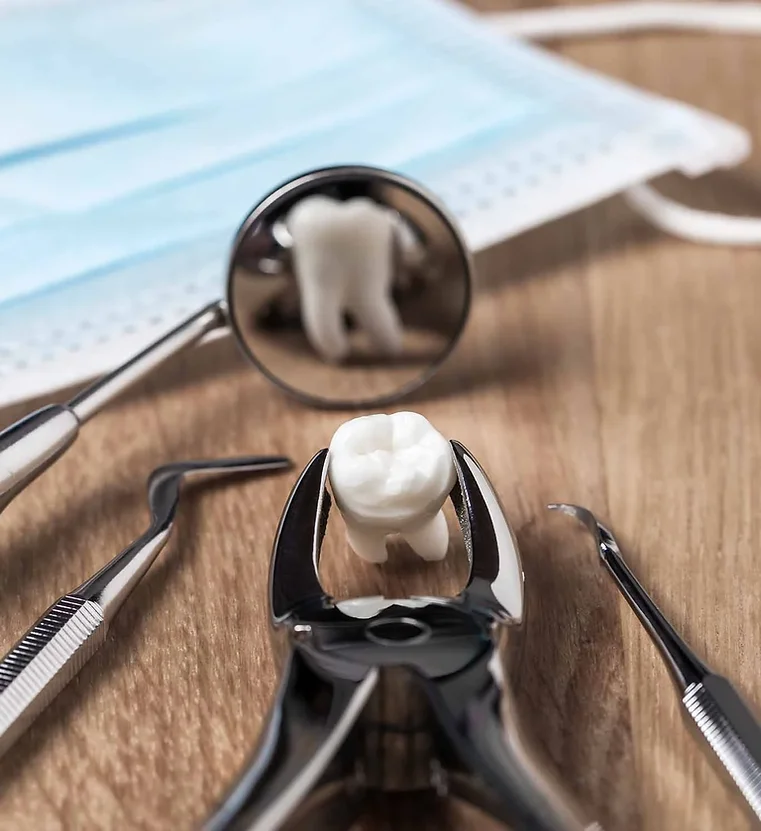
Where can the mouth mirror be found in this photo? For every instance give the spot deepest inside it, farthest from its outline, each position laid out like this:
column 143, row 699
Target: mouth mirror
column 348, row 287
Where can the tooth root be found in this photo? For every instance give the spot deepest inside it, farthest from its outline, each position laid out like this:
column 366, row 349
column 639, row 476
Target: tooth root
column 378, row 318
column 431, row 539
column 370, row 298
column 322, row 318
column 321, row 282
column 411, row 250
column 367, row 543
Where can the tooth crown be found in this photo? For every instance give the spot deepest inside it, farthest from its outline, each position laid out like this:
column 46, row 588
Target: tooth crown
column 390, row 471
column 342, row 240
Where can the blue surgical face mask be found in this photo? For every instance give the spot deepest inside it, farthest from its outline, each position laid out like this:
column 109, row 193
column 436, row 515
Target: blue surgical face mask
column 136, row 137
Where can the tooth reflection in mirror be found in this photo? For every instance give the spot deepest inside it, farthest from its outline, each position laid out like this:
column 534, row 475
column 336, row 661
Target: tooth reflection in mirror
column 349, row 286
column 392, row 474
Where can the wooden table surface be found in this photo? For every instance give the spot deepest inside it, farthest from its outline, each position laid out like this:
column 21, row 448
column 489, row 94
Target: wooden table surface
column 606, row 364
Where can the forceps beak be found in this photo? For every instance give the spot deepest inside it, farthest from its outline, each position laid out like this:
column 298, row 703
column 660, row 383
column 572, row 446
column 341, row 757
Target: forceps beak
column 495, row 582
column 294, row 571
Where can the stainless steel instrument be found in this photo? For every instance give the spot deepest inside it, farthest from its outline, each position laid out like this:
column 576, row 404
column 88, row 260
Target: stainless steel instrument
column 262, row 297
column 60, row 643
column 710, row 702
column 394, row 695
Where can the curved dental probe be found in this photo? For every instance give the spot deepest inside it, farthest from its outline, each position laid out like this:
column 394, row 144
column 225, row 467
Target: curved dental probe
column 382, row 694
column 59, row 644
column 711, row 702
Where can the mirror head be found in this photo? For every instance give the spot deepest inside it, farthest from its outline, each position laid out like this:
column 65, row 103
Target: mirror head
column 349, row 287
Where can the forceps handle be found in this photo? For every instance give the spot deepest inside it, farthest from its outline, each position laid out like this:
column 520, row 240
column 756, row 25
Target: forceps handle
column 43, row 662
column 31, row 445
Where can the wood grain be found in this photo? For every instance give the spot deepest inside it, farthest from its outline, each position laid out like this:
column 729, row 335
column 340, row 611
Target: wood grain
column 605, row 364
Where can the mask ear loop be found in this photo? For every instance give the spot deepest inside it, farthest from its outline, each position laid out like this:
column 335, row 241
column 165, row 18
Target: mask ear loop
column 614, row 18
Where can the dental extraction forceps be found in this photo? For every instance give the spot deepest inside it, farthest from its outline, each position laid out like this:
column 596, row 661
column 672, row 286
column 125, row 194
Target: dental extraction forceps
column 69, row 633
column 722, row 718
column 393, row 695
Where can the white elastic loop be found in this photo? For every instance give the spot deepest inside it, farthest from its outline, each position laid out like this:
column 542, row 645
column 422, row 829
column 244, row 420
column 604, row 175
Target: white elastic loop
column 611, row 18
column 691, row 223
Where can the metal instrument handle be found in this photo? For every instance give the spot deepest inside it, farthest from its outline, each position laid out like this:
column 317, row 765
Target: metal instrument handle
column 288, row 783
column 101, row 392
column 731, row 731
column 43, row 662
column 719, row 713
column 32, row 444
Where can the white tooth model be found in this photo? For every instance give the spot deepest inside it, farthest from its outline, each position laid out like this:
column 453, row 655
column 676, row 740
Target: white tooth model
column 343, row 255
column 392, row 474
